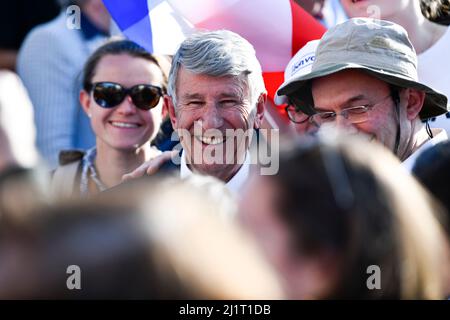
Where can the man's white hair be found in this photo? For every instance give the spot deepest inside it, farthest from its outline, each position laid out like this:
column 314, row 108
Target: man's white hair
column 218, row 53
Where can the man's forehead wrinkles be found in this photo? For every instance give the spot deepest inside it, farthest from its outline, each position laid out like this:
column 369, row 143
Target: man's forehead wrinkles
column 356, row 98
column 192, row 96
column 228, row 93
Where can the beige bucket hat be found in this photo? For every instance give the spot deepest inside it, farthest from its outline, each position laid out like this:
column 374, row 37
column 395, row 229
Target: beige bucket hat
column 380, row 48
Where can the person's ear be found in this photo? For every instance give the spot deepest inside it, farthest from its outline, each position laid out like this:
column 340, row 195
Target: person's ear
column 85, row 101
column 415, row 100
column 260, row 108
column 170, row 107
column 164, row 110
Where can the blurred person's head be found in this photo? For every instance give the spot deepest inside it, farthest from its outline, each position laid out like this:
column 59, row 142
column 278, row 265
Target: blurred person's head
column 157, row 248
column 22, row 192
column 215, row 91
column 23, row 187
column 432, row 169
column 335, row 210
column 17, row 129
column 103, row 241
column 122, row 93
column 202, row 215
column 220, row 199
column 371, row 90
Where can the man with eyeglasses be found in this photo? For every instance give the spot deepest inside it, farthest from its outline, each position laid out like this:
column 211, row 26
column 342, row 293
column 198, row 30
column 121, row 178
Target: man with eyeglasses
column 364, row 79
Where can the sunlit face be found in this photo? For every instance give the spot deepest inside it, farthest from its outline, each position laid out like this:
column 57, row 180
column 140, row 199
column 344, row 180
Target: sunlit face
column 352, row 88
column 210, row 111
column 379, row 9
column 124, row 127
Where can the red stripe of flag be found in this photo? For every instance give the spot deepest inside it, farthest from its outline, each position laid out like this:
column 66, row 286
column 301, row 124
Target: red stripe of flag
column 304, row 28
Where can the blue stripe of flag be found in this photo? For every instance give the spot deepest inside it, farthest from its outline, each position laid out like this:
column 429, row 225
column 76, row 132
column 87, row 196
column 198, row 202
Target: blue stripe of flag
column 132, row 17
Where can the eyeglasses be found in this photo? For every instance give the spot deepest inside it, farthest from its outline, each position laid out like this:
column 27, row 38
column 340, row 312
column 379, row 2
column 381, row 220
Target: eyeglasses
column 110, row 95
column 296, row 115
column 356, row 114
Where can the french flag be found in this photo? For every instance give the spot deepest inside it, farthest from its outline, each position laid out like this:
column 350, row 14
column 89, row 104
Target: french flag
column 276, row 28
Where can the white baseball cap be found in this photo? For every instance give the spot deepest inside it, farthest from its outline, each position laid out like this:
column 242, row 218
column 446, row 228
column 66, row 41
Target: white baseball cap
column 299, row 65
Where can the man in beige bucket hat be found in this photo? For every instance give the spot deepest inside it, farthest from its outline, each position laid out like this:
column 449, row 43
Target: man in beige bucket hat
column 364, row 79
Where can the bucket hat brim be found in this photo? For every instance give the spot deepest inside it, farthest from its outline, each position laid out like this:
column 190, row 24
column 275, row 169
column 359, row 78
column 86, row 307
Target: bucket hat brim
column 435, row 103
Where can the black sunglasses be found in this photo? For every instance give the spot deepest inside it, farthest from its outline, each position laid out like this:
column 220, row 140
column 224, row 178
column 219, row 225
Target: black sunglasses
column 110, row 95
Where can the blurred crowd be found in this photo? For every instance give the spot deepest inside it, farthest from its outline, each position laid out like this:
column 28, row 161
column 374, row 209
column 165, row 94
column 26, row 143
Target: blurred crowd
column 126, row 174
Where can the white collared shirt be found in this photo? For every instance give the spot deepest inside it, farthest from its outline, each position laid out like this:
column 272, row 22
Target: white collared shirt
column 439, row 135
column 234, row 185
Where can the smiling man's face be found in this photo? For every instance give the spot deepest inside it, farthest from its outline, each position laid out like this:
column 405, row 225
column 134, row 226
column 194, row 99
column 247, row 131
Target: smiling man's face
column 209, row 111
column 353, row 88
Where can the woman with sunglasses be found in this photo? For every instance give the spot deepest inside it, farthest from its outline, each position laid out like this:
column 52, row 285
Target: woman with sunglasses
column 122, row 93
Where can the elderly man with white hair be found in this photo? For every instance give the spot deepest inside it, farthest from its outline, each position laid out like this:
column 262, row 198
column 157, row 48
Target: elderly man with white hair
column 216, row 97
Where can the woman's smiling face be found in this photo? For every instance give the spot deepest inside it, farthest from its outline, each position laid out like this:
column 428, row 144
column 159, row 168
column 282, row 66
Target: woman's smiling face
column 124, row 127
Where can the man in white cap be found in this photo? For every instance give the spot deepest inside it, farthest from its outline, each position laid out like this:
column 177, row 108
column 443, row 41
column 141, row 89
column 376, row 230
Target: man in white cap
column 299, row 65
column 364, row 79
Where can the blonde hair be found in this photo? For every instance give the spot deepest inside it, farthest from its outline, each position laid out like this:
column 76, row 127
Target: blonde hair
column 198, row 238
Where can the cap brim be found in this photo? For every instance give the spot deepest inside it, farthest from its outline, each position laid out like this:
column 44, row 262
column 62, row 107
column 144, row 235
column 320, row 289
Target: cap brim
column 280, row 100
